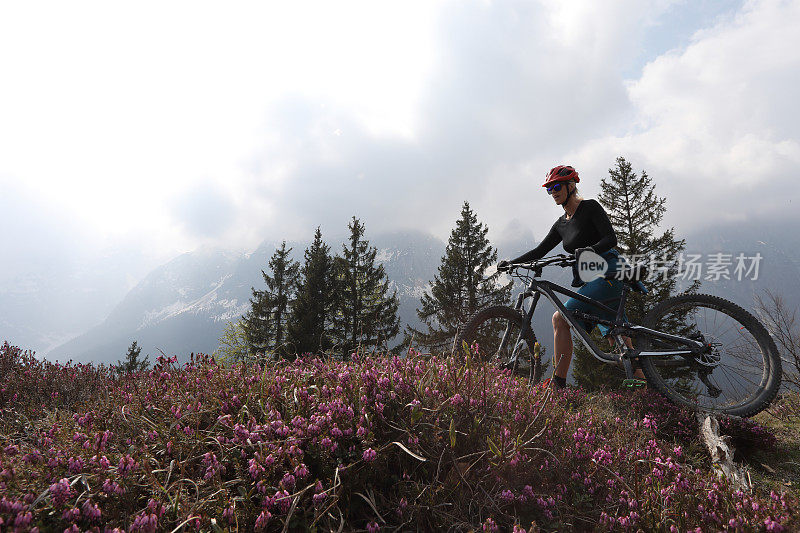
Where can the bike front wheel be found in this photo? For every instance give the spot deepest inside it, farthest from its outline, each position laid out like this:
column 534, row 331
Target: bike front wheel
column 497, row 335
column 738, row 373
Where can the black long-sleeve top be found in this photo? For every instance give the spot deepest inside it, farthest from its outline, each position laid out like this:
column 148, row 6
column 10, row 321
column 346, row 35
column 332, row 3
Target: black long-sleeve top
column 589, row 227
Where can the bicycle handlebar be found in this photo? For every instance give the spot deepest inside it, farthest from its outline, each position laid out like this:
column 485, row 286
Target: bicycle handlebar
column 562, row 260
column 629, row 273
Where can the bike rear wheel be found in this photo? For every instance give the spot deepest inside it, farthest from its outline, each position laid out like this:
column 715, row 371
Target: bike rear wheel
column 738, row 374
column 498, row 335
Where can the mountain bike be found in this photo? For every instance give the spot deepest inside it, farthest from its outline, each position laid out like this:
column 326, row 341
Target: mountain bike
column 698, row 350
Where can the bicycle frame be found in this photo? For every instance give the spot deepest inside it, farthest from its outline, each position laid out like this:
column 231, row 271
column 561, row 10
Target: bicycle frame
column 619, row 326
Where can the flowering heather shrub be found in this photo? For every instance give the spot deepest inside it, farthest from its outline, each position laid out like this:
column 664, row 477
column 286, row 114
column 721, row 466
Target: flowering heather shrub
column 41, row 386
column 374, row 443
column 671, row 422
column 787, row 406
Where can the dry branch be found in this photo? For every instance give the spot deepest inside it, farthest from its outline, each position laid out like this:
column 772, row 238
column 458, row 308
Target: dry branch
column 721, row 450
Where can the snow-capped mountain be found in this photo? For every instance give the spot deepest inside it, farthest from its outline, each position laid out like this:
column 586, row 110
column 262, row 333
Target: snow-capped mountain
column 170, row 308
column 184, row 305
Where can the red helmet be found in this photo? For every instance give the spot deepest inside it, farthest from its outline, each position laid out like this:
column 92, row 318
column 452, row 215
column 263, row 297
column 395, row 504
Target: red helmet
column 561, row 173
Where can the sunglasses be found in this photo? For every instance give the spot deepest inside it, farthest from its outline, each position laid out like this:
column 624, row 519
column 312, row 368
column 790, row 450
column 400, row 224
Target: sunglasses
column 555, row 187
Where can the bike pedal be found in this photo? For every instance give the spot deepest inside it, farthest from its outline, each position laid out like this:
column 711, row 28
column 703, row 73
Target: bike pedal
column 634, row 383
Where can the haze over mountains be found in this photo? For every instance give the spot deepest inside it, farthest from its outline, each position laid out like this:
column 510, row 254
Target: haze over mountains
column 184, row 305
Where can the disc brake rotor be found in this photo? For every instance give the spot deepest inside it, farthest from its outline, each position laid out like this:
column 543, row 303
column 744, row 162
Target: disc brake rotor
column 713, row 353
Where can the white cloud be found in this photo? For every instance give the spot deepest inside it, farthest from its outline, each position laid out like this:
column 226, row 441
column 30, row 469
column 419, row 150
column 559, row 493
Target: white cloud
column 717, row 122
column 283, row 116
column 510, row 92
column 115, row 110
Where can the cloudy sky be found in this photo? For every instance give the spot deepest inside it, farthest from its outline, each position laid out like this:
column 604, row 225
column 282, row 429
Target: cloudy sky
column 164, row 126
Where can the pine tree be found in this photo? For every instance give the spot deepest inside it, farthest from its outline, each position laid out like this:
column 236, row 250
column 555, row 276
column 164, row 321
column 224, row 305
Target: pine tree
column 635, row 212
column 461, row 287
column 366, row 315
column 311, row 312
column 132, row 364
column 265, row 323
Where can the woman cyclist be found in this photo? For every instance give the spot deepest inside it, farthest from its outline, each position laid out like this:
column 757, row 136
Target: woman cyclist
column 583, row 226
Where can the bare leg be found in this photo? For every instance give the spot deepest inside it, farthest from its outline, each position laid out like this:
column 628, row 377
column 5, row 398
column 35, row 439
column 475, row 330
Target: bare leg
column 629, row 343
column 562, row 342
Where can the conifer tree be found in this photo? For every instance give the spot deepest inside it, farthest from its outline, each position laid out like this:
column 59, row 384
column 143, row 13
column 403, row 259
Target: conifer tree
column 366, row 314
column 461, row 287
column 311, row 312
column 132, row 364
column 265, row 323
column 635, row 211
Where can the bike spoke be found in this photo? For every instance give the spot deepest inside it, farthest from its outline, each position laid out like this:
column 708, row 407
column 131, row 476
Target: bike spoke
column 728, row 378
column 735, row 364
column 731, row 370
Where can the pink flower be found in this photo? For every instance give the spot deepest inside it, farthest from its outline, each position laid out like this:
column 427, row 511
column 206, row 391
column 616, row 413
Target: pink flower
column 156, row 507
column 110, row 487
column 490, row 525
column 75, row 465
column 772, row 525
column 127, row 464
column 146, row 523
column 60, row 492
column 301, row 471
column 228, row 514
column 255, row 469
column 71, row 515
column 91, row 511
column 282, row 500
column 23, row 520
column 288, row 481
column 11, row 450
column 370, row 455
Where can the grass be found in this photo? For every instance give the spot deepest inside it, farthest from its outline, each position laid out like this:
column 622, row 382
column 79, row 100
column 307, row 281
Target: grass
column 779, row 468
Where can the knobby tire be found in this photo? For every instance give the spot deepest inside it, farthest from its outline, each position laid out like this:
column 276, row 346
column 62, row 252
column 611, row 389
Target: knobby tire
column 764, row 393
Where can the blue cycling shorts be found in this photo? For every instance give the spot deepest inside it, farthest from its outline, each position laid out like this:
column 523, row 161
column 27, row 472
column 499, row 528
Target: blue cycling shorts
column 599, row 289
